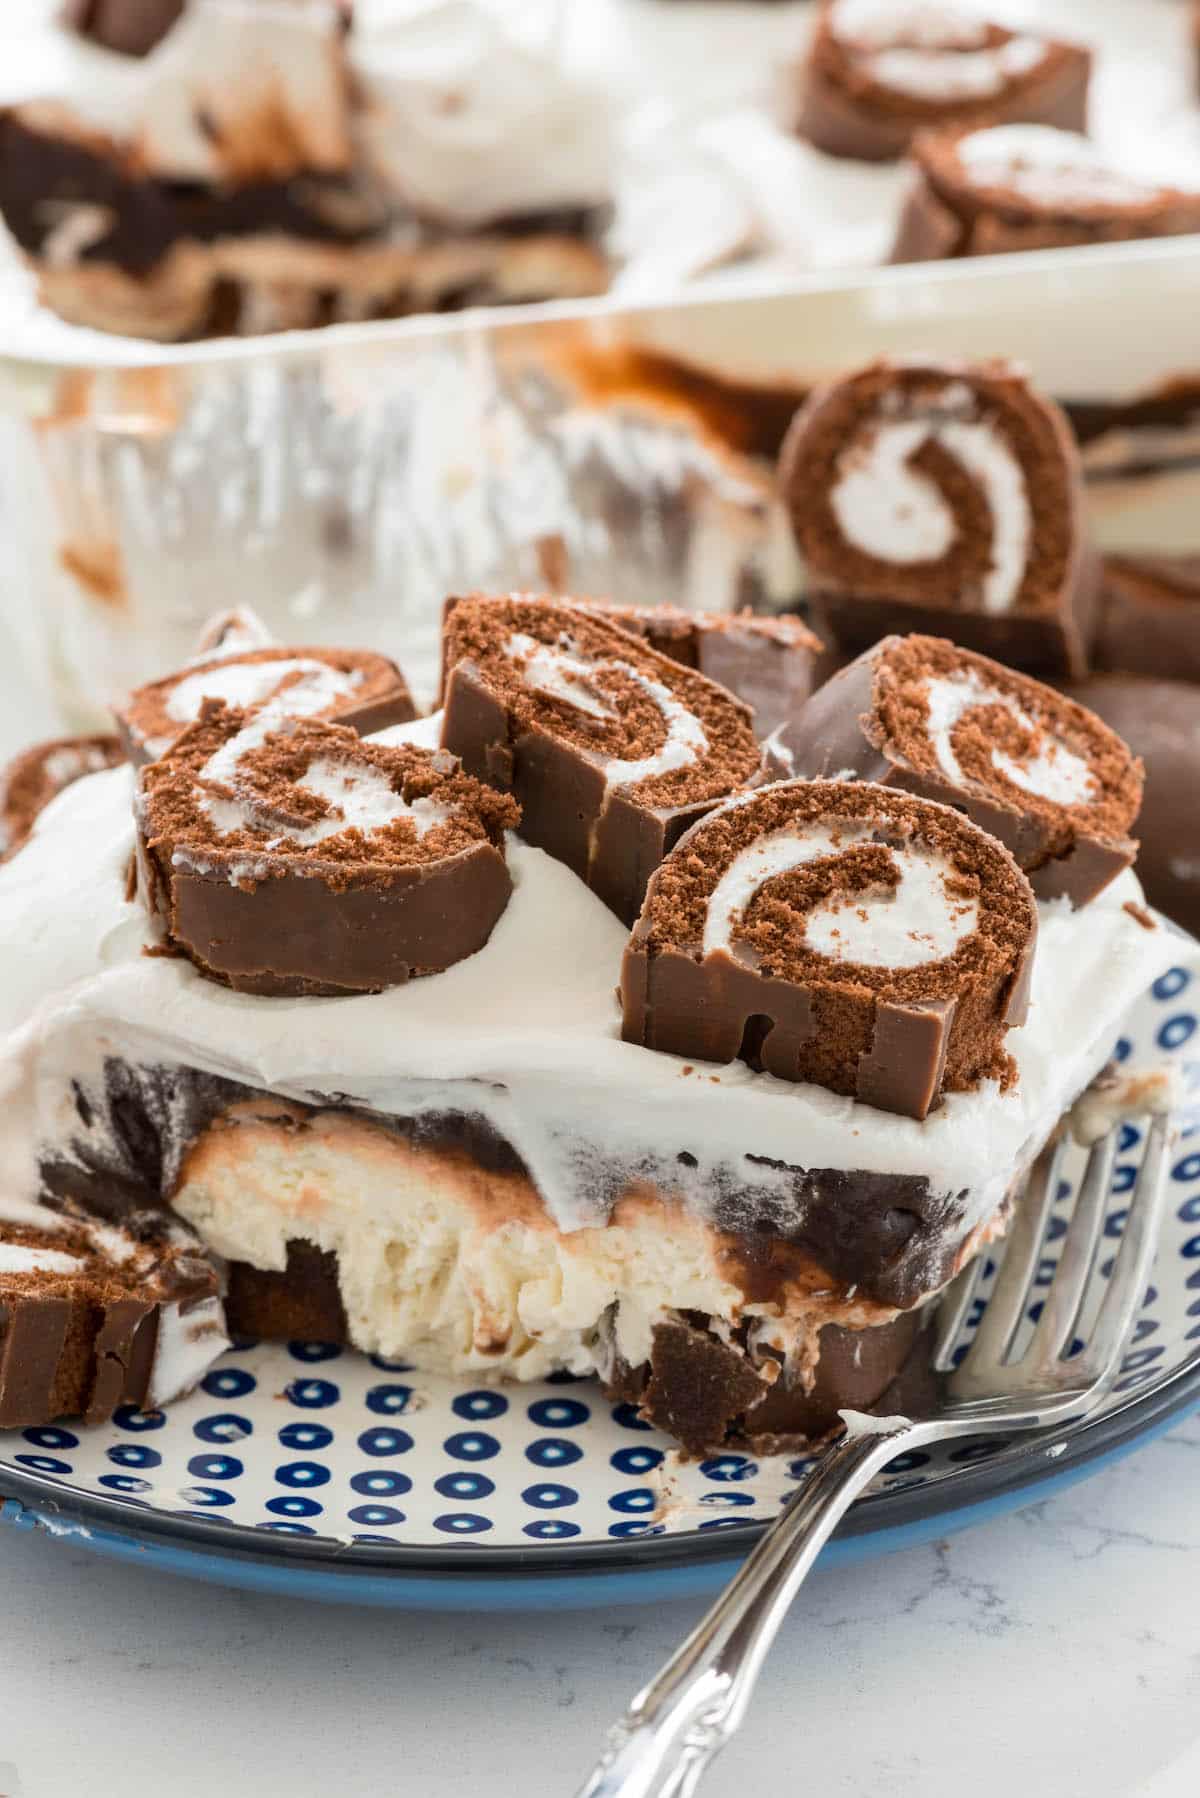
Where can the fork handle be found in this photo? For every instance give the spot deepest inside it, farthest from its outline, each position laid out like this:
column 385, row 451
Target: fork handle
column 679, row 1722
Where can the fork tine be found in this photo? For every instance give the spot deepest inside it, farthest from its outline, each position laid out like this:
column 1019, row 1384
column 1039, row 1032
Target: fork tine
column 1006, row 1306
column 952, row 1311
column 1127, row 1282
column 1056, row 1326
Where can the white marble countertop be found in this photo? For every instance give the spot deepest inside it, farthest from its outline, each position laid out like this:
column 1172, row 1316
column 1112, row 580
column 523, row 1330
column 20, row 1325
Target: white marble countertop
column 1054, row 1651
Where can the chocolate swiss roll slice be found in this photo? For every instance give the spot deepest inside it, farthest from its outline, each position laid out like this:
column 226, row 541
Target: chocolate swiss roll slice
column 32, row 779
column 290, row 857
column 946, row 497
column 1028, row 187
column 841, row 933
column 1058, row 788
column 354, row 686
column 771, row 664
column 878, row 71
column 95, row 1315
column 611, row 749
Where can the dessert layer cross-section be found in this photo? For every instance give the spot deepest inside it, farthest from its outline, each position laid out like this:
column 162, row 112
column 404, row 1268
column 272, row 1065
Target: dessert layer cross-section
column 503, row 1168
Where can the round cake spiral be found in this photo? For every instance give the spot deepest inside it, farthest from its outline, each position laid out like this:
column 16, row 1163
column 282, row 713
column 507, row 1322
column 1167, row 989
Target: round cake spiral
column 1033, row 768
column 289, row 857
column 921, row 488
column 612, row 749
column 352, row 686
column 878, row 71
column 840, row 933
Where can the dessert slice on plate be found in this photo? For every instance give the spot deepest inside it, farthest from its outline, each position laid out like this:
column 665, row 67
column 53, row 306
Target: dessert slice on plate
column 847, row 1029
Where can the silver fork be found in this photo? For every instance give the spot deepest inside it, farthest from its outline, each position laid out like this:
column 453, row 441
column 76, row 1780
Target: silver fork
column 679, row 1722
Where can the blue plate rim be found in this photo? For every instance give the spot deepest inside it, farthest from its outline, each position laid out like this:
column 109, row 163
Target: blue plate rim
column 1018, row 1469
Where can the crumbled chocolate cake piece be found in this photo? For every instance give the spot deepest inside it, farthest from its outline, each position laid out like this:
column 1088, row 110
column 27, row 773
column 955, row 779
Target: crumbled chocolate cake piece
column 1048, row 778
column 611, row 749
column 841, row 933
column 293, row 858
column 947, row 497
column 879, row 71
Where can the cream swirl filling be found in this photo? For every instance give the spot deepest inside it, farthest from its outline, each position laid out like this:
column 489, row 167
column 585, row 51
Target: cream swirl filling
column 916, row 921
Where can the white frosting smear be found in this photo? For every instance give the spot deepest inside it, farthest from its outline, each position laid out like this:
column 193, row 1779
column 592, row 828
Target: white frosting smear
column 906, row 926
column 1056, row 772
column 16, row 1259
column 1049, row 167
column 894, row 512
column 564, row 674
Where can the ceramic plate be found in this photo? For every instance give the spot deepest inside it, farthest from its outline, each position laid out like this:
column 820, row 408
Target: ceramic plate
column 314, row 1470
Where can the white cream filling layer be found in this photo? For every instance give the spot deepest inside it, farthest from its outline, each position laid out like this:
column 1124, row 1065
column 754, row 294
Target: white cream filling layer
column 894, row 512
column 526, row 1034
column 1056, row 772
column 905, row 926
column 1049, row 167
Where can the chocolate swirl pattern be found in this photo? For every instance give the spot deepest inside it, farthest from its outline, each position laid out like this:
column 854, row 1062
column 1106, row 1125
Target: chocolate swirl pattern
column 355, row 687
column 612, row 749
column 839, row 933
column 1028, row 187
column 286, row 856
column 94, row 1315
column 918, row 489
column 878, row 71
column 1047, row 777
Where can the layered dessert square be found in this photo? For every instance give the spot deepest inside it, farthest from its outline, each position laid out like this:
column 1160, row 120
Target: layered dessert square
column 723, row 1160
column 255, row 165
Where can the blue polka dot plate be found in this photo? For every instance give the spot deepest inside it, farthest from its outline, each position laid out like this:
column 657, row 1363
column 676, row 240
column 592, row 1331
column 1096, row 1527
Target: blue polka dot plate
column 313, row 1470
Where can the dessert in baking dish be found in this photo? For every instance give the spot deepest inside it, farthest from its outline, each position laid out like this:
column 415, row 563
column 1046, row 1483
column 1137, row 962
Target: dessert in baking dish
column 1028, row 187
column 879, row 71
column 943, row 496
column 237, row 166
column 503, row 1168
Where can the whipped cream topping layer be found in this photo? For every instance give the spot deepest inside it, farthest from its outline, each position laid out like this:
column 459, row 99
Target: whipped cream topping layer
column 466, row 118
column 526, row 1034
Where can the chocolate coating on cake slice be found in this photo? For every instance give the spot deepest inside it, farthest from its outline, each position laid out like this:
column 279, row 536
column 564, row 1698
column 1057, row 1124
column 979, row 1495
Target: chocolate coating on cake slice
column 612, row 750
column 352, row 686
column 1058, row 788
column 32, row 779
column 946, row 497
column 300, row 860
column 1161, row 721
column 770, row 664
column 130, row 27
column 95, row 1315
column 1028, row 187
column 879, row 71
column 842, row 933
column 1150, row 617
